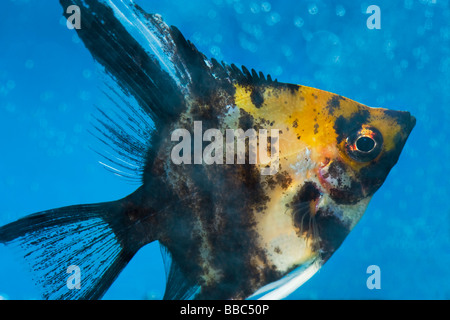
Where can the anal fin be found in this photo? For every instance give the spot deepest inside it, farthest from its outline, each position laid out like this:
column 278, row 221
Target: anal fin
column 178, row 287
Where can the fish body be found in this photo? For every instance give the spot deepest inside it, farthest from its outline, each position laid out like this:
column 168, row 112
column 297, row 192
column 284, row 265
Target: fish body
column 246, row 229
column 229, row 228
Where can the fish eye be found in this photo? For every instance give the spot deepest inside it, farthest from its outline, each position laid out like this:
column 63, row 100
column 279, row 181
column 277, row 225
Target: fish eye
column 364, row 145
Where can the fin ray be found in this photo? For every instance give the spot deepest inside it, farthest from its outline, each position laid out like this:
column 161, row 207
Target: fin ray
column 178, row 286
column 53, row 240
column 154, row 65
column 285, row 286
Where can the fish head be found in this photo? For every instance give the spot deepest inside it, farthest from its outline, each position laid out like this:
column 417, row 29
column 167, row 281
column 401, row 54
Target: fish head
column 334, row 154
column 352, row 148
column 358, row 148
column 344, row 146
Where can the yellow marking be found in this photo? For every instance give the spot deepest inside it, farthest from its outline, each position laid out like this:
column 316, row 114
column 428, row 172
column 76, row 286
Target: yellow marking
column 277, row 235
column 314, row 124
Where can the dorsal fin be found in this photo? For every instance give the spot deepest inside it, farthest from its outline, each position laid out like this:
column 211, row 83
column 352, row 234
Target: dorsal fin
column 157, row 72
column 244, row 76
column 148, row 59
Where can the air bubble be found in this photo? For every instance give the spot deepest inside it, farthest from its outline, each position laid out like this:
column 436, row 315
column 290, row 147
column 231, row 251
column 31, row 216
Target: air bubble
column 277, row 71
column 273, row 19
column 87, row 73
column 212, row 14
column 299, row 22
column 85, row 95
column 218, row 38
column 216, row 52
column 10, row 107
column 239, row 8
column 324, row 48
column 313, row 9
column 266, row 6
column 29, row 64
column 76, row 39
column 10, row 85
column 408, row 4
column 47, row 95
column 287, row 51
column 254, row 8
column 340, row 10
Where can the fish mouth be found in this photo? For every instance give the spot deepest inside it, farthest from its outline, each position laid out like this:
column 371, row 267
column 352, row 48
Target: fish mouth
column 336, row 179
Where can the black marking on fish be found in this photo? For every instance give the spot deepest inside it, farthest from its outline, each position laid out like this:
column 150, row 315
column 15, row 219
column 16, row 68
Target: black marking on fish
column 293, row 88
column 225, row 229
column 332, row 232
column 303, row 217
column 282, row 179
column 308, row 192
column 246, row 78
column 342, row 193
column 403, row 118
column 246, row 120
column 334, row 103
column 373, row 175
column 344, row 126
column 257, row 96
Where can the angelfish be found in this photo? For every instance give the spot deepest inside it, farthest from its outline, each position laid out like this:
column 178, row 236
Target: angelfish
column 226, row 230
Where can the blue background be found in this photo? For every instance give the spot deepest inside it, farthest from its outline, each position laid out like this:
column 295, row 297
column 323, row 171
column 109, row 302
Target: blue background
column 49, row 86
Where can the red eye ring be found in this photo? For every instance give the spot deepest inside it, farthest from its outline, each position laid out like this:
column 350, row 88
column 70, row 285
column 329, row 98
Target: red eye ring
column 364, row 145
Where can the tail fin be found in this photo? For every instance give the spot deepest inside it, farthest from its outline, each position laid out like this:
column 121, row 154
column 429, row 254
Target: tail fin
column 90, row 237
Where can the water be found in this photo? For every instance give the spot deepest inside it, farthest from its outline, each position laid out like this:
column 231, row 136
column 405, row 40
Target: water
column 49, row 86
